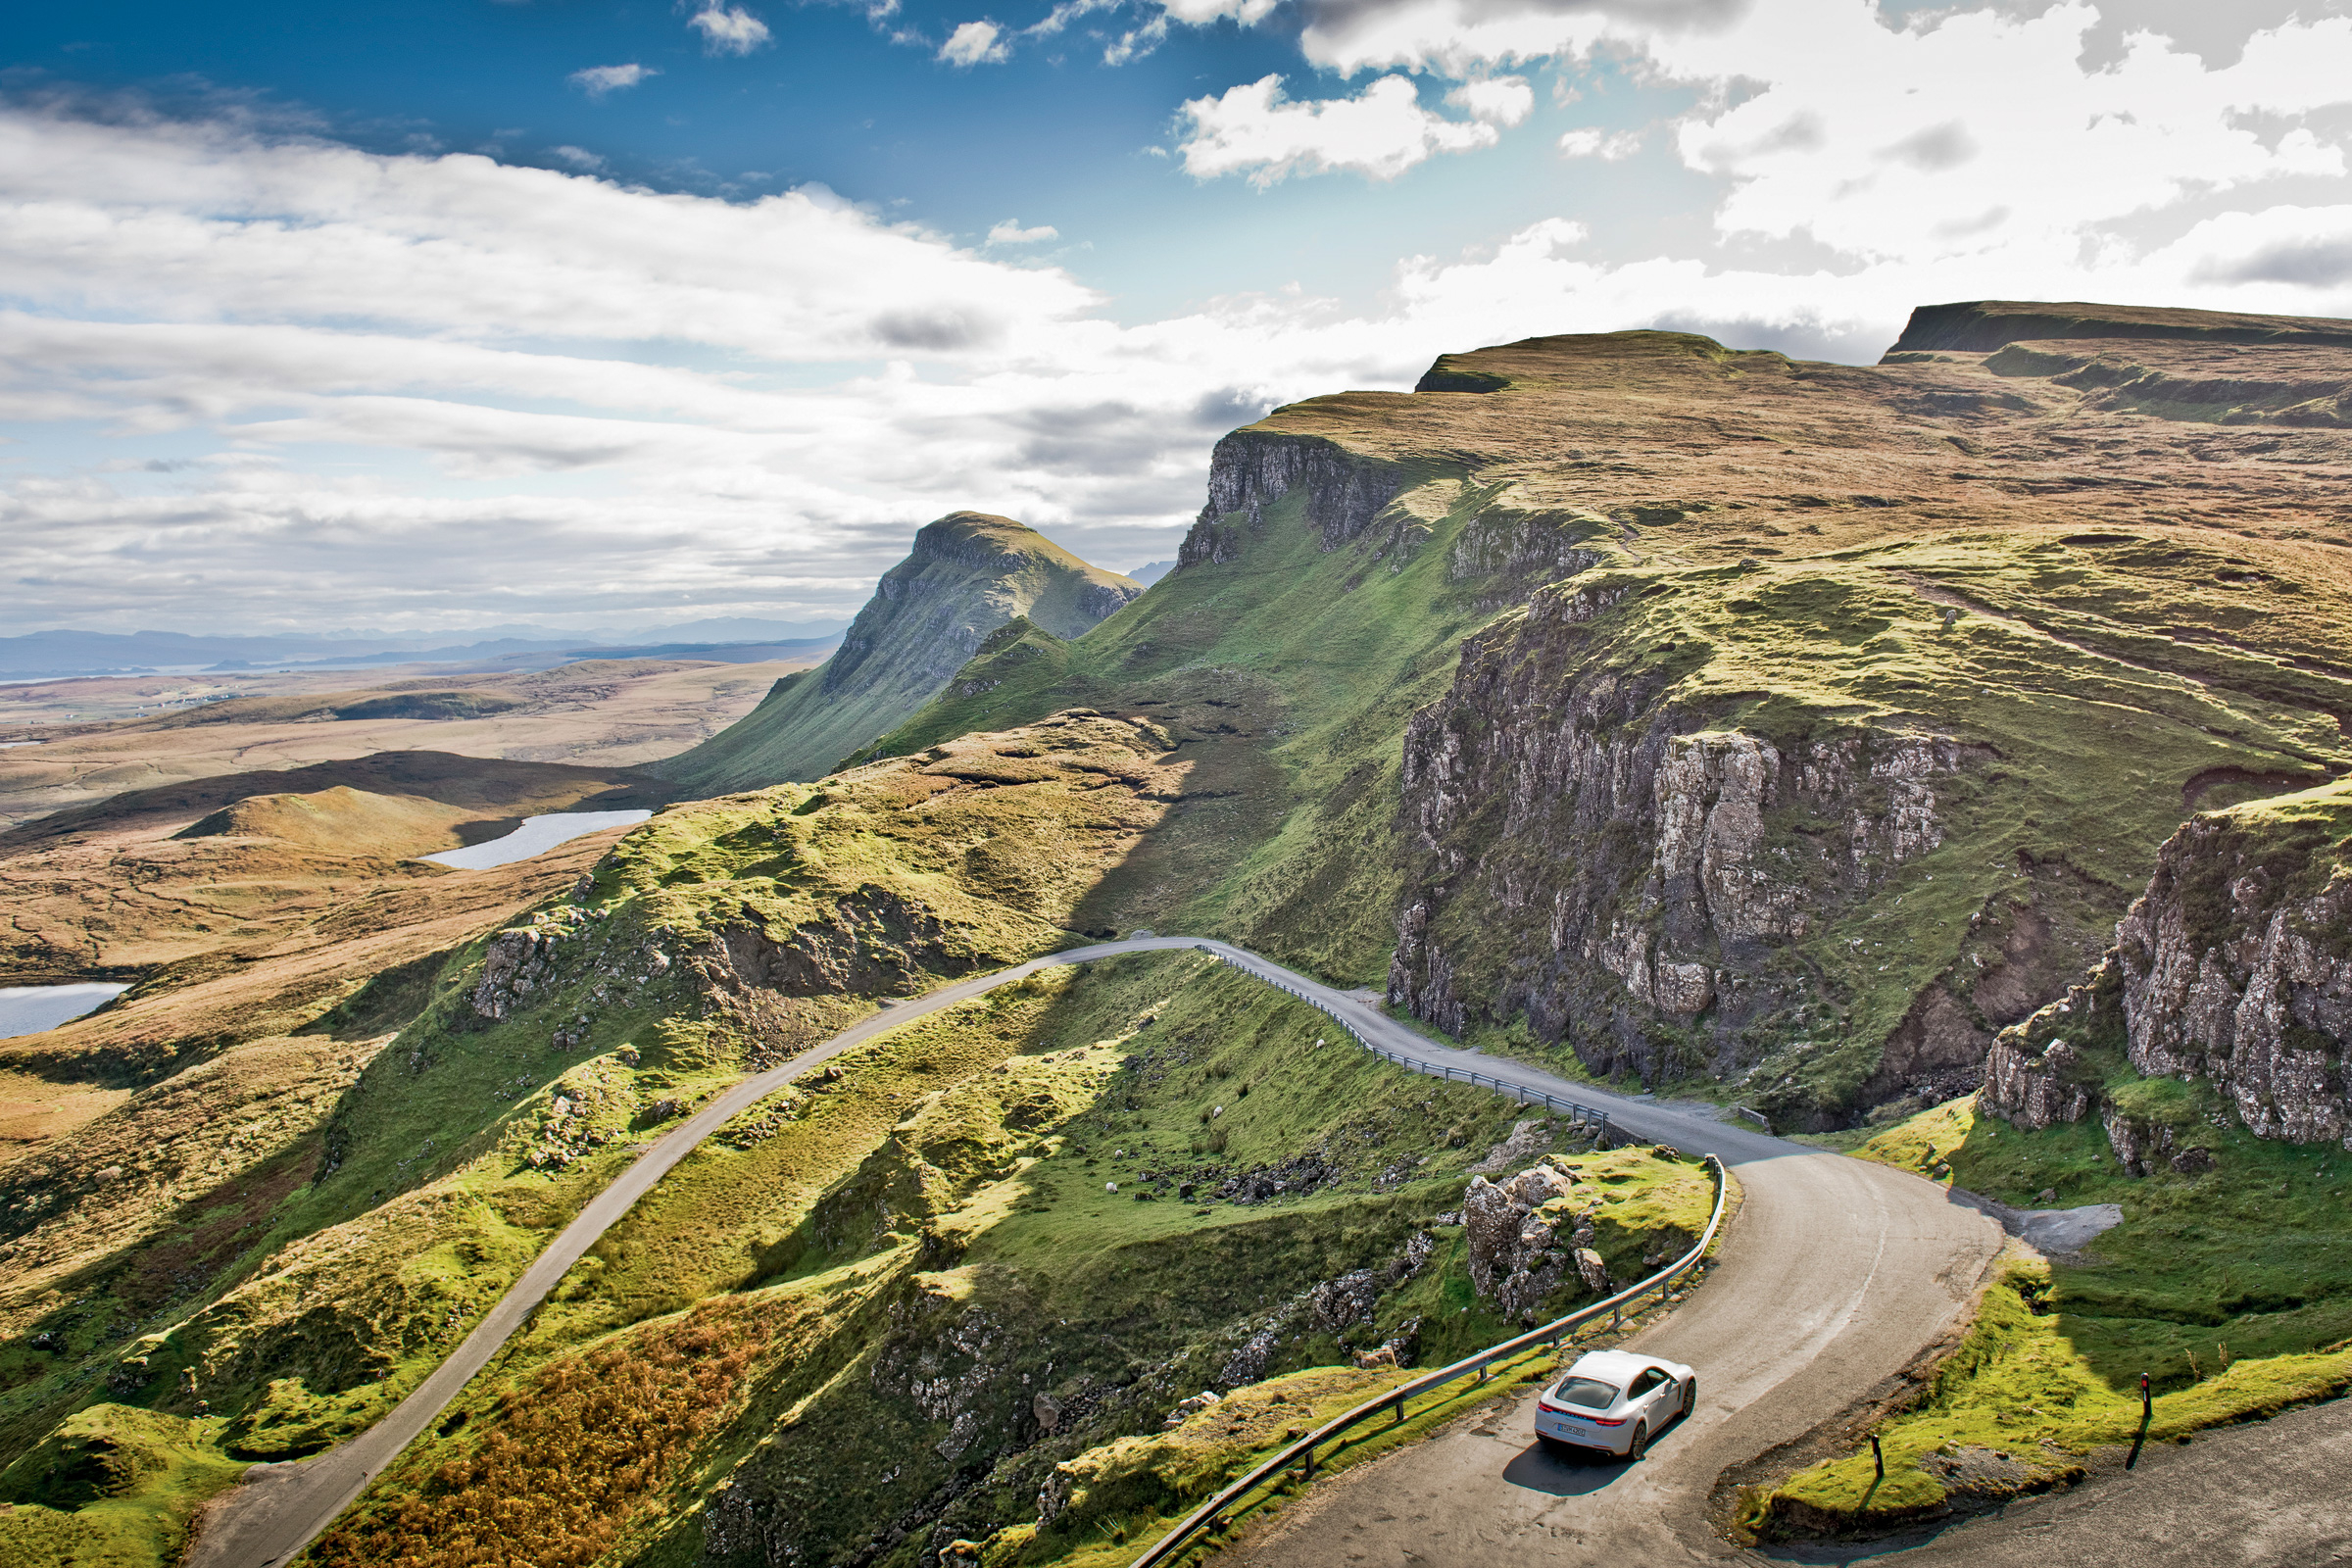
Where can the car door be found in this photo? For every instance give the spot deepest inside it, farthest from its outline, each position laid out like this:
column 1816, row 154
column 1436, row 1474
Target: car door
column 1645, row 1397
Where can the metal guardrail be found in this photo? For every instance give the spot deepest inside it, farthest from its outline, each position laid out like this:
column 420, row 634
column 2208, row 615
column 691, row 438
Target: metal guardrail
column 1210, row 1515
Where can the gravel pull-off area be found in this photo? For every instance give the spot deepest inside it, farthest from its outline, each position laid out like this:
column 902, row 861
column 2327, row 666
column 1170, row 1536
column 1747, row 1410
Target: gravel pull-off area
column 2054, row 1232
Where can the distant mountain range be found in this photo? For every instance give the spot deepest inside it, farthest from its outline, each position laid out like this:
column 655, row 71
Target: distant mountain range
column 48, row 654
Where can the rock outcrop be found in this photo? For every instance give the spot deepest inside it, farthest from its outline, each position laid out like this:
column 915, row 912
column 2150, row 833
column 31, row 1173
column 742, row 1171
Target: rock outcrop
column 1526, row 1234
column 2236, row 964
column 2234, row 968
column 1604, row 859
column 968, row 574
column 1252, row 469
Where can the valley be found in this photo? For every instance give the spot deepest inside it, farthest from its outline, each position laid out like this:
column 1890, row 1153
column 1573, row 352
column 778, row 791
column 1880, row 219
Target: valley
column 1939, row 762
column 591, row 714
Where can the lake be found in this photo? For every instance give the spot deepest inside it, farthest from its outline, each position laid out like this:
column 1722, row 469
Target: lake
column 536, row 836
column 30, row 1010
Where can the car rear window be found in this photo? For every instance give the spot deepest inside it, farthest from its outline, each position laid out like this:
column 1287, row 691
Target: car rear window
column 1591, row 1392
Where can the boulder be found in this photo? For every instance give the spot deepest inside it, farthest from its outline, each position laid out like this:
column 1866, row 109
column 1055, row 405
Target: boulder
column 1514, row 1230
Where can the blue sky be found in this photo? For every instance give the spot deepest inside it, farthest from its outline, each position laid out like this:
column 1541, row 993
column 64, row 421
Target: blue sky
column 1051, row 135
column 467, row 311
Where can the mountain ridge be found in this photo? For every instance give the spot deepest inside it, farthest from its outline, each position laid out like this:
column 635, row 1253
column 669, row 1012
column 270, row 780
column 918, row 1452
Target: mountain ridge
column 967, row 574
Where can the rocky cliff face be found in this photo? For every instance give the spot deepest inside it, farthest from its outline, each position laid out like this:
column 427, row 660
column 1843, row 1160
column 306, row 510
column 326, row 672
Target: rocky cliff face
column 968, row 574
column 2234, row 969
column 1639, row 880
column 1728, row 800
column 1252, row 469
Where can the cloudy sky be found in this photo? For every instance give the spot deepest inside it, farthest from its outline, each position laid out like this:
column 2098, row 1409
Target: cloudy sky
column 432, row 316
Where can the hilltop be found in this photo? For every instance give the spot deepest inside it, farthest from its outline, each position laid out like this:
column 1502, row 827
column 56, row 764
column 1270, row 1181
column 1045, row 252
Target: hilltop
column 1819, row 721
column 969, row 575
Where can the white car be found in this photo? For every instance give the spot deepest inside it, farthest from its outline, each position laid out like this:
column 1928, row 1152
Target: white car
column 1614, row 1402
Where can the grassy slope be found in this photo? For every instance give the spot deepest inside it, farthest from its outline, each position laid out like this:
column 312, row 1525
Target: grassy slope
column 320, row 1281
column 1291, row 670
column 968, row 574
column 2089, row 729
column 2106, row 667
column 967, row 1235
column 2230, row 1289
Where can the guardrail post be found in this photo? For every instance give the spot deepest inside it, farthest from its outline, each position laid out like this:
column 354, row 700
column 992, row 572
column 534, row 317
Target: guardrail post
column 1399, row 1412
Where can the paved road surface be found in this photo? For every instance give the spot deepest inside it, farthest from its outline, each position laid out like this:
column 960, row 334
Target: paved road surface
column 1835, row 1275
column 1838, row 1272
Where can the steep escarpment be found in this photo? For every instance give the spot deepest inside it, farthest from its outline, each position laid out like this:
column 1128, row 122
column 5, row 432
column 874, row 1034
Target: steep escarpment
column 1982, row 327
column 2233, row 972
column 967, row 574
column 1823, row 823
column 1844, row 715
column 1812, row 827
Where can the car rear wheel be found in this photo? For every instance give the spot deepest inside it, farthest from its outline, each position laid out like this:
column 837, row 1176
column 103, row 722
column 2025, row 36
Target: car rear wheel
column 1638, row 1446
column 1690, row 1395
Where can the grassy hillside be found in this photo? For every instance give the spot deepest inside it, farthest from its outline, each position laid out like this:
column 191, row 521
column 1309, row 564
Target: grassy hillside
column 2231, row 1287
column 936, row 1301
column 294, row 1228
column 1285, row 677
column 1996, row 561
column 968, row 574
column 1697, row 717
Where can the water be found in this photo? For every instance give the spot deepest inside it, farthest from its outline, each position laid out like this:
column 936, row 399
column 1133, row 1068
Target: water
column 536, row 836
column 30, row 1010
column 4, row 745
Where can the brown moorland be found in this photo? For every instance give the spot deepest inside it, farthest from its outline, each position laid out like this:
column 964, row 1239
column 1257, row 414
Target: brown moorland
column 593, row 714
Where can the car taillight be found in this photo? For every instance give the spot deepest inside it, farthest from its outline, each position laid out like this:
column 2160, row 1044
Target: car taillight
column 1546, row 1404
column 1600, row 1422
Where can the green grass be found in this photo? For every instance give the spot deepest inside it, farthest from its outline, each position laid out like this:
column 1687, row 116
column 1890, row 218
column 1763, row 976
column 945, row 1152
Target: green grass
column 966, row 578
column 940, row 1212
column 1309, row 662
column 113, row 1487
column 2230, row 1289
column 2018, row 1392
column 2255, row 1255
column 446, row 1167
column 2075, row 736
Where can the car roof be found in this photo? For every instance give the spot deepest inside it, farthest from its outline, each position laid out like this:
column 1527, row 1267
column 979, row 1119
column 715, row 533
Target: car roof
column 1618, row 1366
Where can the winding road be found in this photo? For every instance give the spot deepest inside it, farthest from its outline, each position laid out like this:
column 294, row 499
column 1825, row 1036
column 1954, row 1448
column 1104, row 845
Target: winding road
column 1836, row 1274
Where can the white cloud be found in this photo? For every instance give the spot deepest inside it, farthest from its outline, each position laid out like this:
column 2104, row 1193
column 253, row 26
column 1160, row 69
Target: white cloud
column 579, row 158
column 1011, row 232
column 1591, row 143
column 975, row 43
column 729, row 30
column 598, row 81
column 1136, row 42
column 1496, row 100
column 1066, row 13
column 1379, row 133
column 617, row 401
